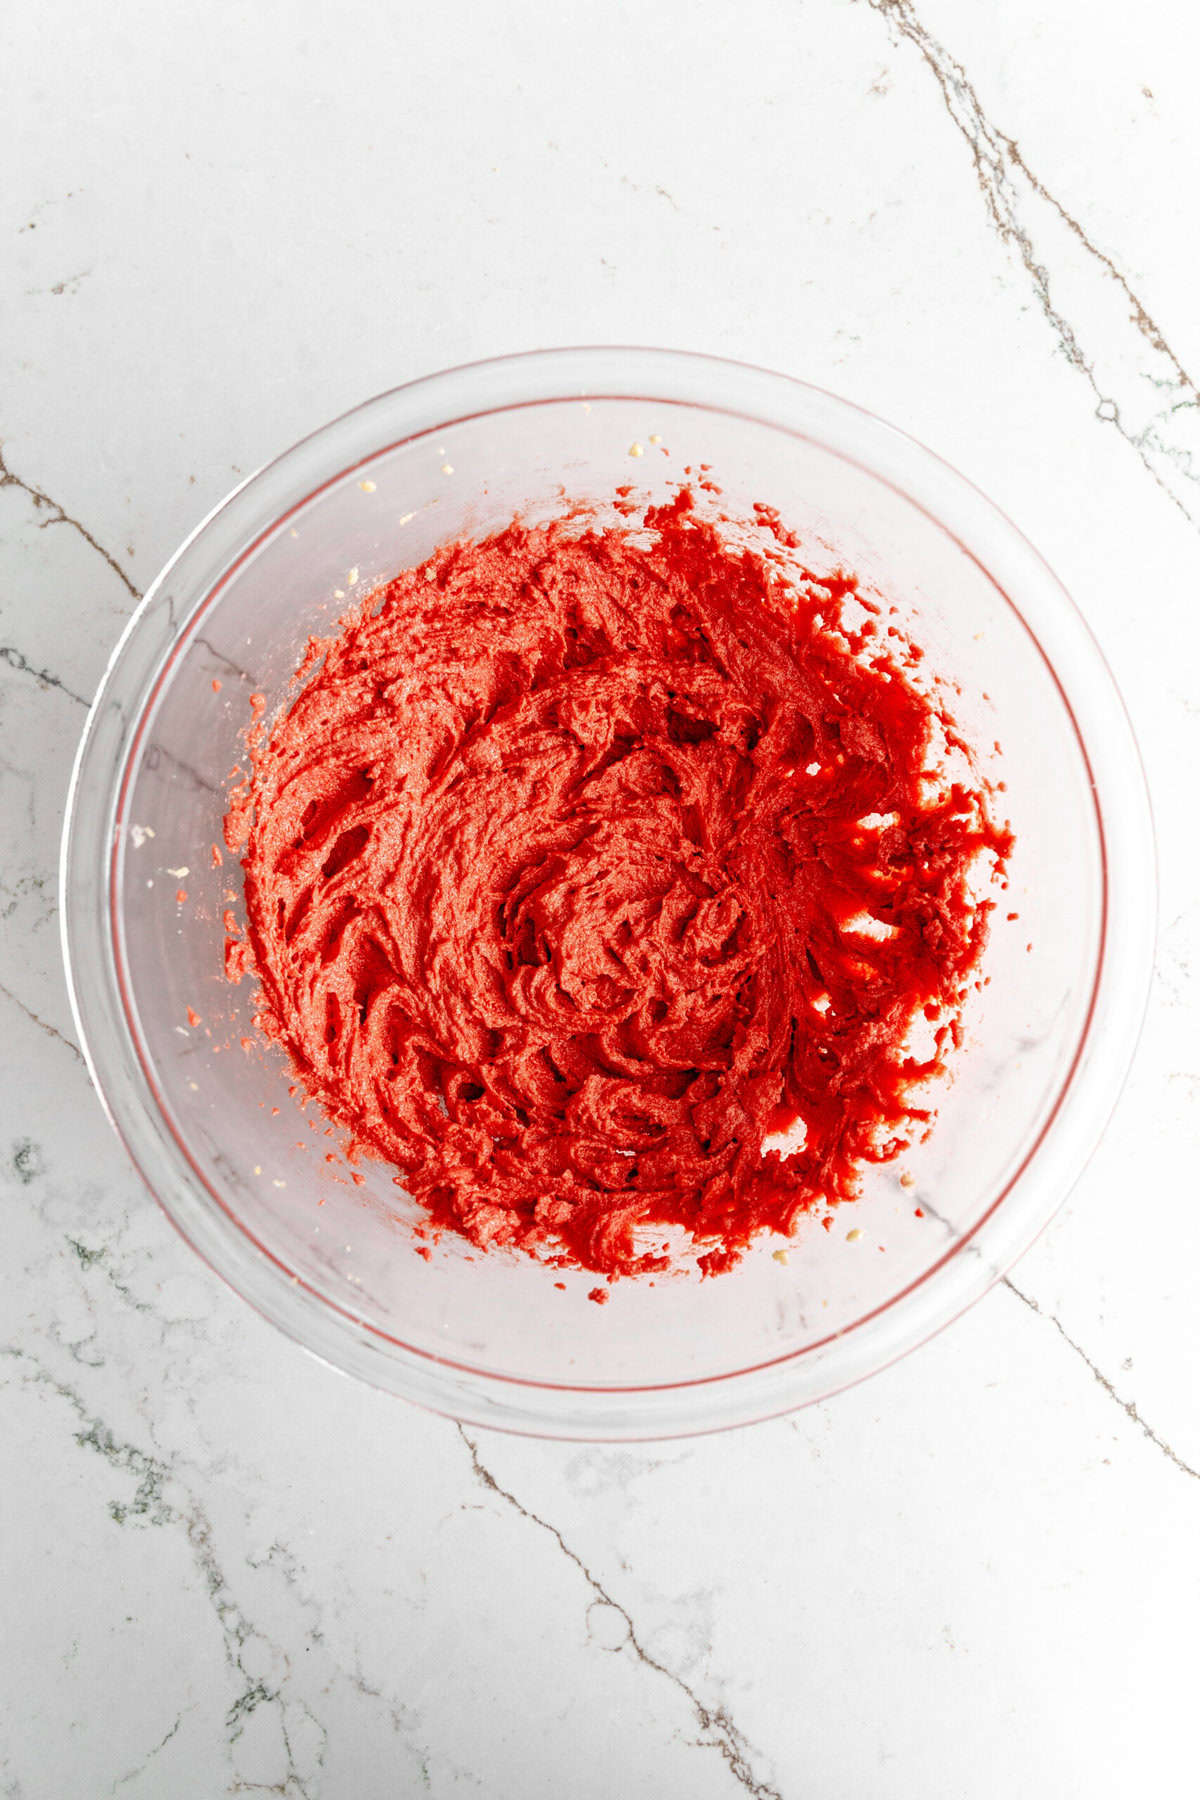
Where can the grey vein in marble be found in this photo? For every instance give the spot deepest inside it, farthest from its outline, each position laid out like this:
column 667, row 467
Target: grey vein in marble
column 89, row 1258
column 17, row 660
column 162, row 1498
column 42, row 1024
column 58, row 515
column 140, row 1768
column 1128, row 1407
column 721, row 1732
column 1139, row 384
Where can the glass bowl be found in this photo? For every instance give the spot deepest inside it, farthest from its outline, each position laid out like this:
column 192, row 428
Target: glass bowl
column 223, row 1144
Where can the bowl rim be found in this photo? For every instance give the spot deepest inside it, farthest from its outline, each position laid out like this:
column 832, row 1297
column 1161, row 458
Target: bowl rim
column 124, row 1076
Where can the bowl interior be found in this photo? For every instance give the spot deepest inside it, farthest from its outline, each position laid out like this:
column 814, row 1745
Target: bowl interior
column 229, row 1120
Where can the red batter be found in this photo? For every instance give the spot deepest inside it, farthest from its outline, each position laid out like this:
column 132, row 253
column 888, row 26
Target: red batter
column 585, row 859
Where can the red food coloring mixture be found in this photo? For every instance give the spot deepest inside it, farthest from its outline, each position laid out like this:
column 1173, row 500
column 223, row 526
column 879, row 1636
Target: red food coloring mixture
column 589, row 858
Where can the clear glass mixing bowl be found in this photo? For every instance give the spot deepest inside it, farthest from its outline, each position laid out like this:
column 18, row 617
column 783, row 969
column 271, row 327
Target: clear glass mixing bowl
column 489, row 1339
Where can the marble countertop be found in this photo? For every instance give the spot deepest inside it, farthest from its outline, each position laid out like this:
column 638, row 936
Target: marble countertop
column 227, row 1570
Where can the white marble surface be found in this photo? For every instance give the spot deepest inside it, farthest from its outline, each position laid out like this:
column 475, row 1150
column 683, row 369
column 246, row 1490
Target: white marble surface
column 229, row 1571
